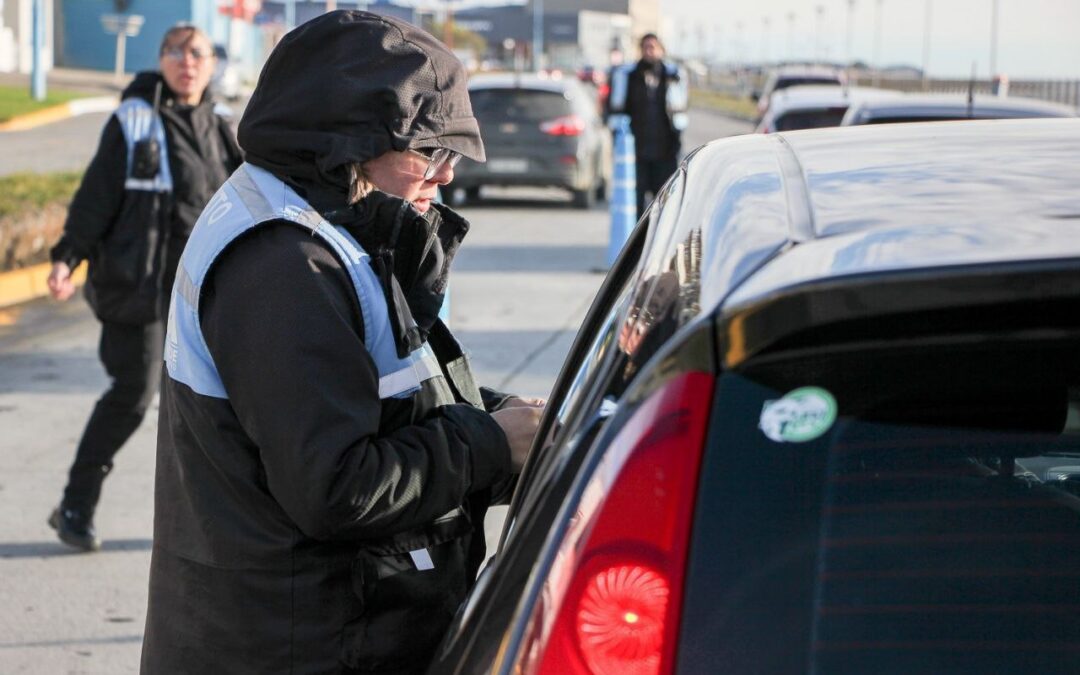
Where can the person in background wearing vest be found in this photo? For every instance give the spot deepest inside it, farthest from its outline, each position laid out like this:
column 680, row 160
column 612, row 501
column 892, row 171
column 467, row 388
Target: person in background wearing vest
column 654, row 95
column 325, row 457
column 160, row 159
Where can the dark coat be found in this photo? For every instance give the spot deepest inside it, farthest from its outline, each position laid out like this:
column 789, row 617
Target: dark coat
column 133, row 238
column 285, row 515
column 655, row 135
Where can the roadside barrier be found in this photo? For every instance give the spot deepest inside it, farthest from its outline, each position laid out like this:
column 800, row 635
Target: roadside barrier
column 623, row 204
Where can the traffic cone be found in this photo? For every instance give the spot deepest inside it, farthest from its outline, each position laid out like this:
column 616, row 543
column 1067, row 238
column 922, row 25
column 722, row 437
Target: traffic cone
column 623, row 204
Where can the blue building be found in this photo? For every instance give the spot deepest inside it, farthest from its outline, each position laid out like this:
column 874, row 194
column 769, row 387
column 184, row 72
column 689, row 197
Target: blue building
column 81, row 41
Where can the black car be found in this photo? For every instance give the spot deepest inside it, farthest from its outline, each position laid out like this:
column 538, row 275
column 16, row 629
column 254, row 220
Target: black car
column 538, row 131
column 823, row 417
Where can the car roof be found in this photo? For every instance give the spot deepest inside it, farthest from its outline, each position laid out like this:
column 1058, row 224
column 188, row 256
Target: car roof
column 810, row 96
column 929, row 105
column 797, row 207
column 784, row 72
column 559, row 85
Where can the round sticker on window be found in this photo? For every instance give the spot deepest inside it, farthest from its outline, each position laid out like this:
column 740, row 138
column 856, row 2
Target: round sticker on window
column 801, row 415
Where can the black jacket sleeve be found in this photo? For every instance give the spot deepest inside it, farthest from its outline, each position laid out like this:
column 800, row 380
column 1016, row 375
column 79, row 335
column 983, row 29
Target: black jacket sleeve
column 97, row 201
column 284, row 327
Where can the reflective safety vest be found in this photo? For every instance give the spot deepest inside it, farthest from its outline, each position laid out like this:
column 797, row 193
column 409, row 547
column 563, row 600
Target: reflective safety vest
column 678, row 92
column 139, row 122
column 250, row 197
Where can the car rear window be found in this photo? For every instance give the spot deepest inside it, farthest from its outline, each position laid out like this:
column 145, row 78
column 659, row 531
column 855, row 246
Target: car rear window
column 810, row 119
column 916, row 511
column 784, row 83
column 523, row 105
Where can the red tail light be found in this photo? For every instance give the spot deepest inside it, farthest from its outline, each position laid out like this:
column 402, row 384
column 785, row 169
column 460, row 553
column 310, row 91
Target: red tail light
column 567, row 125
column 611, row 602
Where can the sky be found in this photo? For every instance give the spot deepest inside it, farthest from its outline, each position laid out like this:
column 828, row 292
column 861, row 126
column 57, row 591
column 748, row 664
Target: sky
column 1037, row 39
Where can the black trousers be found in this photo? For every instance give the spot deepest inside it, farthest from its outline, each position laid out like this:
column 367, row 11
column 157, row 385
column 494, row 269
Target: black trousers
column 651, row 176
column 132, row 356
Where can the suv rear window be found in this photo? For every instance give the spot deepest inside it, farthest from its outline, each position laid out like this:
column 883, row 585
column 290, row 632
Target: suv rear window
column 520, row 105
column 810, row 119
column 927, row 522
column 785, row 82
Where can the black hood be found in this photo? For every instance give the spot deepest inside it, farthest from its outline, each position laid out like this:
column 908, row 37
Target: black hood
column 349, row 86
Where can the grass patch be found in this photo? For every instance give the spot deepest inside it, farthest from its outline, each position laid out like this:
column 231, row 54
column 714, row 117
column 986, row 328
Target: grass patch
column 28, row 192
column 738, row 106
column 16, row 100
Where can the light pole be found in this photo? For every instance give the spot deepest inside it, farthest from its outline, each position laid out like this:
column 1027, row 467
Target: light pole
column 850, row 18
column 820, row 11
column 37, row 44
column 538, row 34
column 765, row 22
column 926, row 47
column 993, row 39
column 877, row 42
column 791, row 36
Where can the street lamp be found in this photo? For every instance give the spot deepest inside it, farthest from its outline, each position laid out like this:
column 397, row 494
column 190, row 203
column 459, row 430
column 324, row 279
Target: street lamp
column 820, row 11
column 993, row 39
column 791, row 36
column 877, row 42
column 765, row 40
column 850, row 16
column 926, row 47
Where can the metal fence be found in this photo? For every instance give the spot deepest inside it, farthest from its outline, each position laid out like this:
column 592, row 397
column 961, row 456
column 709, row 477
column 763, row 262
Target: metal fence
column 1058, row 91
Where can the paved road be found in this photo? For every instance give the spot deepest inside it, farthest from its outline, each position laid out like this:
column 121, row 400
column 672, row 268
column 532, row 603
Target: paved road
column 521, row 286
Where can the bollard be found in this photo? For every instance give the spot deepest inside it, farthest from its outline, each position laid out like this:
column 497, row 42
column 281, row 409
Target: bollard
column 623, row 204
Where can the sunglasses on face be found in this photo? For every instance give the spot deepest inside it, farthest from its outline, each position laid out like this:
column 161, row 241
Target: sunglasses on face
column 437, row 158
column 179, row 53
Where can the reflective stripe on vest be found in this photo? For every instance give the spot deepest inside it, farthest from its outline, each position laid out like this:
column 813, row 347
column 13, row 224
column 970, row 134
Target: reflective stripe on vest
column 138, row 122
column 249, row 198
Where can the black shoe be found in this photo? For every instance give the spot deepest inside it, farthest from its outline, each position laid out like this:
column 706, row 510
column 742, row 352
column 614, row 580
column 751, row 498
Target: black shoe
column 74, row 528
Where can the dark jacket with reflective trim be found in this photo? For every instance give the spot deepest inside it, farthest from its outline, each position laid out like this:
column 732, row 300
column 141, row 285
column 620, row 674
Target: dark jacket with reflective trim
column 285, row 515
column 133, row 238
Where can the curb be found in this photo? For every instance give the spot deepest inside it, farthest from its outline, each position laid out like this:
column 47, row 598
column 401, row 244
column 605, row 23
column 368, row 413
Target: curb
column 79, row 106
column 29, row 283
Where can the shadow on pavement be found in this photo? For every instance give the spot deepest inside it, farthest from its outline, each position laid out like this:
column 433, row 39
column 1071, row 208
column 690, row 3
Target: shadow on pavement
column 52, row 549
column 119, row 639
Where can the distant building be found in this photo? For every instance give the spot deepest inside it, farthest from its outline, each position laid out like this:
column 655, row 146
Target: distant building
column 16, row 35
column 82, row 40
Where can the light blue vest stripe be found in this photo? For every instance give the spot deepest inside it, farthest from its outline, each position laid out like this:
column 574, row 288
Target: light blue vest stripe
column 138, row 122
column 251, row 197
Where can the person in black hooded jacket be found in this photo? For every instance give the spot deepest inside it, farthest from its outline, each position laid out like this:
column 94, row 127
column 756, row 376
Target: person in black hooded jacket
column 314, row 513
column 131, row 225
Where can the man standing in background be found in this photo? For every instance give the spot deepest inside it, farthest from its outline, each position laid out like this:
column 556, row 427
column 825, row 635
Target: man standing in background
column 653, row 95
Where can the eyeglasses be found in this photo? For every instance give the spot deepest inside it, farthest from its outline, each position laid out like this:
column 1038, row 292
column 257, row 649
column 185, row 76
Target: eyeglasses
column 178, row 53
column 437, row 158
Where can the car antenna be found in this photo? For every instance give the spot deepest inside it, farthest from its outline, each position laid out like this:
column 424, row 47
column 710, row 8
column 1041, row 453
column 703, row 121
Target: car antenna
column 971, row 93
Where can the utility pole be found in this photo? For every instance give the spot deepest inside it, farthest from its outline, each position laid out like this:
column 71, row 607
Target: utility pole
column 926, row 47
column 765, row 22
column 993, row 39
column 877, row 43
column 448, row 25
column 290, row 14
column 850, row 18
column 37, row 44
column 820, row 12
column 791, row 36
column 538, row 34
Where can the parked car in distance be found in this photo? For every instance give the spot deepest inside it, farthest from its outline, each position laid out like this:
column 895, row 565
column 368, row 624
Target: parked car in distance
column 823, row 416
column 538, row 131
column 795, row 76
column 815, row 106
column 941, row 107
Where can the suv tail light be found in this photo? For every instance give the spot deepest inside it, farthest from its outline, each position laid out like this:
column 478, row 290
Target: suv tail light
column 611, row 602
column 567, row 125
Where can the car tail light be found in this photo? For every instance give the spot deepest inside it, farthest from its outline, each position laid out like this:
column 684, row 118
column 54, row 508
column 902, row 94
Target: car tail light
column 610, row 604
column 567, row 125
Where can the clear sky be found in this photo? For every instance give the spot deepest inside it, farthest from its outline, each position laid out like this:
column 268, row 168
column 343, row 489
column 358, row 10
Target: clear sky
column 1038, row 39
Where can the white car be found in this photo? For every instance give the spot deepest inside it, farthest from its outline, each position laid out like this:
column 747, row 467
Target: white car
column 815, row 106
column 942, row 107
column 795, row 76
